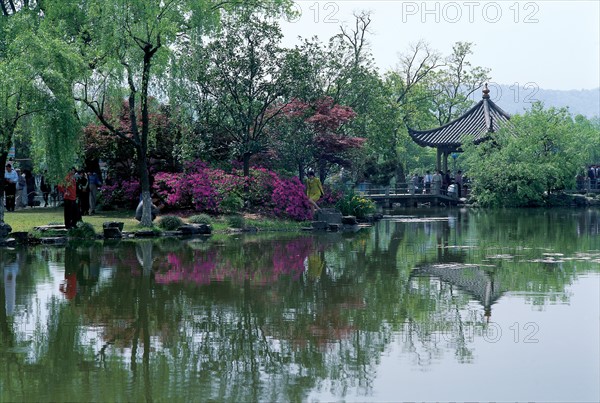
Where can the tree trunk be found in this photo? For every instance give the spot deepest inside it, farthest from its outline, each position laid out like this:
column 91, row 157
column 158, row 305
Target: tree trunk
column 301, row 172
column 146, row 220
column 246, row 159
column 3, row 158
column 322, row 171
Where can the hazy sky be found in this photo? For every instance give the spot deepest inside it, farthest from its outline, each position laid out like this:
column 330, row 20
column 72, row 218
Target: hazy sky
column 550, row 44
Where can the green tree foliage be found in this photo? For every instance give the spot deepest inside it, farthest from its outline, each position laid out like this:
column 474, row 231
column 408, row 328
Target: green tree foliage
column 453, row 84
column 126, row 46
column 36, row 73
column 538, row 154
column 244, row 71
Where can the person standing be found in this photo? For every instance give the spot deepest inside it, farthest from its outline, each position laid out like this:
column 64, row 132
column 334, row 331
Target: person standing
column 83, row 193
column 69, row 190
column 314, row 190
column 415, row 183
column 21, row 199
column 94, row 183
column 427, row 182
column 458, row 179
column 45, row 188
column 436, row 182
column 10, row 187
column 31, row 191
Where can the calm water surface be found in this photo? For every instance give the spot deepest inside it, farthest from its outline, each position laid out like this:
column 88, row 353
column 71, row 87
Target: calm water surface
column 430, row 305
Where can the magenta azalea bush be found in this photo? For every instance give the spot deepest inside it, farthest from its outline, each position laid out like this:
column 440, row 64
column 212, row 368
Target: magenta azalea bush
column 124, row 193
column 290, row 200
column 214, row 191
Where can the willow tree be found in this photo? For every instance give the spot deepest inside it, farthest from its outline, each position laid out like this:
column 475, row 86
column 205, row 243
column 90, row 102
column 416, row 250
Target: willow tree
column 36, row 72
column 126, row 45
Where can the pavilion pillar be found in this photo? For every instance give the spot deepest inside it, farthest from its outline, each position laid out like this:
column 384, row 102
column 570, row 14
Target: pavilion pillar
column 438, row 164
column 445, row 162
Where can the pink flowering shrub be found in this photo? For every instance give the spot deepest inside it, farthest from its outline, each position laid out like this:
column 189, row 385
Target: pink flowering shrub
column 260, row 185
column 168, row 187
column 204, row 196
column 290, row 200
column 214, row 191
column 331, row 196
column 121, row 193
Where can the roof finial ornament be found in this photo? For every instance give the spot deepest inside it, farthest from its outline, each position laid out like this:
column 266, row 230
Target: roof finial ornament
column 486, row 91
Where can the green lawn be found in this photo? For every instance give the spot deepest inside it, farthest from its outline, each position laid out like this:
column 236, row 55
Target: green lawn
column 25, row 220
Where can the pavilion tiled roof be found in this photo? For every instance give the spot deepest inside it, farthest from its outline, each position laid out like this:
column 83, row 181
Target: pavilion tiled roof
column 477, row 123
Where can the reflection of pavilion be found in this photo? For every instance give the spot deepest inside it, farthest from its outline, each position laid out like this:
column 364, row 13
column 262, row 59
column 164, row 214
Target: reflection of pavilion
column 471, row 279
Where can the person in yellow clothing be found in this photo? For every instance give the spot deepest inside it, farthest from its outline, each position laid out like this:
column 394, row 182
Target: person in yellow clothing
column 314, row 190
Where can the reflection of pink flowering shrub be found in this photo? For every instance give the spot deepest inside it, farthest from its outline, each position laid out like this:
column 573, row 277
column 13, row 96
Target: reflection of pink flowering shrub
column 283, row 258
column 290, row 200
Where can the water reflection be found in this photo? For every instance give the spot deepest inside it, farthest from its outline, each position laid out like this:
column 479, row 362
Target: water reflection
column 280, row 317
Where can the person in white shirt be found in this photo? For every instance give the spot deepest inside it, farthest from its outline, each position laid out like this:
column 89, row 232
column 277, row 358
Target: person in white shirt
column 10, row 187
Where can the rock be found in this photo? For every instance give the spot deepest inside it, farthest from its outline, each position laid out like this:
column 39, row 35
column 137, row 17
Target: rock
column 138, row 212
column 21, row 237
column 56, row 227
column 9, row 242
column 5, row 229
column 113, row 224
column 319, row 225
column 330, row 216
column 195, row 229
column 146, row 234
column 349, row 220
column 112, row 229
column 335, row 227
column 55, row 240
column 112, row 233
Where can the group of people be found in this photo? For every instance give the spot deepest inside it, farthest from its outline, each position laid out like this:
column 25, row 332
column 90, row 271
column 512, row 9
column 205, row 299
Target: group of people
column 438, row 181
column 20, row 188
column 80, row 188
column 590, row 181
column 80, row 194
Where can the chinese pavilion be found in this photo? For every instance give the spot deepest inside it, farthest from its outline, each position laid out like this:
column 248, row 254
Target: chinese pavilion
column 477, row 123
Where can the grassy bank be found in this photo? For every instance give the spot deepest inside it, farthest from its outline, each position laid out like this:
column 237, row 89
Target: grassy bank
column 26, row 220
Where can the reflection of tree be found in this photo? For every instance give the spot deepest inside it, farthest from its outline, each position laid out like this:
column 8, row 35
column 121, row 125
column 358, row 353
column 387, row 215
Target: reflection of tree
column 244, row 319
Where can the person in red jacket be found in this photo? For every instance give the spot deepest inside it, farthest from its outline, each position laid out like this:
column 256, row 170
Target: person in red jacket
column 69, row 189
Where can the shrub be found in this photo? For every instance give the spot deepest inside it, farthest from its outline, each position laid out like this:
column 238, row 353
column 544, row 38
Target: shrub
column 200, row 219
column 236, row 221
column 83, row 230
column 289, row 200
column 168, row 186
column 260, row 185
column 351, row 204
column 232, row 204
column 204, row 195
column 170, row 222
column 331, row 196
column 121, row 193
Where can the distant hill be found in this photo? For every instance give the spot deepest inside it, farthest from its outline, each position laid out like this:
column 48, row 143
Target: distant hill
column 515, row 100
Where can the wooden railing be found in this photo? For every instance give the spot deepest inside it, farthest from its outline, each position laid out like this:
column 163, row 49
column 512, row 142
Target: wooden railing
column 401, row 189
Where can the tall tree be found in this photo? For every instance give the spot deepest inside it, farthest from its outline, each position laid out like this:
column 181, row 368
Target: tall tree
column 453, row 85
column 245, row 71
column 36, row 72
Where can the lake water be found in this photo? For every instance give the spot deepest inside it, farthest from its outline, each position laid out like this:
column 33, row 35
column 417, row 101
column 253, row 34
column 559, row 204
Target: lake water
column 431, row 305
